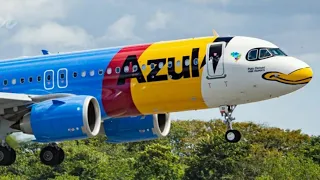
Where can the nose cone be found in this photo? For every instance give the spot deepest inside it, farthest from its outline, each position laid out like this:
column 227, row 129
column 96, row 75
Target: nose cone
column 299, row 76
column 303, row 75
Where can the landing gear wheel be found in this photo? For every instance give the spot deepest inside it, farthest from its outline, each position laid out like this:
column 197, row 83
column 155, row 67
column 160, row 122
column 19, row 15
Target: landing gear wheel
column 52, row 156
column 233, row 136
column 7, row 156
column 61, row 156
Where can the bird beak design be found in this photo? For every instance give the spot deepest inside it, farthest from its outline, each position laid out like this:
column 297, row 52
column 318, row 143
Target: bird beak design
column 299, row 76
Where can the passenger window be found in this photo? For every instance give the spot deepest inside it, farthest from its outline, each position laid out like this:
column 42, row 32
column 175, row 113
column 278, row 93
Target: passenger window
column 39, row 78
column 143, row 67
column 195, row 61
column 48, row 77
column 14, row 81
column 109, row 71
column 61, row 76
column 160, row 65
column 117, row 70
column 253, row 54
column 152, row 65
column 126, row 69
column 75, row 74
column 92, row 73
column 264, row 53
column 178, row 63
column 135, row 68
column 100, row 71
column 22, row 80
column 30, row 79
column 186, row 62
column 5, row 82
column 83, row 74
column 170, row 64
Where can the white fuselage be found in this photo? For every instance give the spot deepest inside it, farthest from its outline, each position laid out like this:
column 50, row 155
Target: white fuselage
column 243, row 81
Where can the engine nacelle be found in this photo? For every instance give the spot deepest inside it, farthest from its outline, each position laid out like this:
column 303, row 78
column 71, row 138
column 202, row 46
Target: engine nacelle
column 134, row 129
column 68, row 118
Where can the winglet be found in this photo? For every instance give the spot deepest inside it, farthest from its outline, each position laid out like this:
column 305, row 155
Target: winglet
column 215, row 33
column 45, row 52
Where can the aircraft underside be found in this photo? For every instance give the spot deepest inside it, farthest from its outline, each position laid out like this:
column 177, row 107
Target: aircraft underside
column 79, row 117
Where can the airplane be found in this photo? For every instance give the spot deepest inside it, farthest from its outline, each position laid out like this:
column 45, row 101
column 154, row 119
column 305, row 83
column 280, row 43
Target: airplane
column 127, row 93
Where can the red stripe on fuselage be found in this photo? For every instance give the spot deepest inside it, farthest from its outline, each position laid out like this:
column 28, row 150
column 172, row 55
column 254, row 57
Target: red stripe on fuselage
column 116, row 99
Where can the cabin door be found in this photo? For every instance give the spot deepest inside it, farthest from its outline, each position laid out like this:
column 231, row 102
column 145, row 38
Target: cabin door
column 48, row 79
column 62, row 78
column 215, row 60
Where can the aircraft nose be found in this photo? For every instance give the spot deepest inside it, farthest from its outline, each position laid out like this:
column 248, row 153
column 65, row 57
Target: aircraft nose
column 303, row 74
column 300, row 73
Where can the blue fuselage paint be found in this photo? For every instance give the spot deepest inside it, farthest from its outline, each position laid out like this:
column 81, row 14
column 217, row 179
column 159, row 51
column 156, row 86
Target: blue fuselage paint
column 61, row 68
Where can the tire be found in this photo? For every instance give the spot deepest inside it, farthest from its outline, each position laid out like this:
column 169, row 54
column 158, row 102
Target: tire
column 233, row 136
column 50, row 156
column 7, row 156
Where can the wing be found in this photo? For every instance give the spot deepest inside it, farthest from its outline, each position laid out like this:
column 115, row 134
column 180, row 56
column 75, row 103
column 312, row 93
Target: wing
column 13, row 106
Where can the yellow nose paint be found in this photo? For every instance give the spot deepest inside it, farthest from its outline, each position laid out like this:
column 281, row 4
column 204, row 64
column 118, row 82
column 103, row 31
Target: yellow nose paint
column 300, row 76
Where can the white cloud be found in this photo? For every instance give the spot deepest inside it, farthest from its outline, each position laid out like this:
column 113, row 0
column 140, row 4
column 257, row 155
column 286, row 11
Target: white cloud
column 53, row 34
column 159, row 21
column 122, row 29
column 31, row 12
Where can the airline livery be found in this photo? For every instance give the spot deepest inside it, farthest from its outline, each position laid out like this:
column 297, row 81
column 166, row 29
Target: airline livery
column 127, row 93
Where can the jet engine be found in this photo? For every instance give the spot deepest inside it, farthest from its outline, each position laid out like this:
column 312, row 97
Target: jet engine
column 134, row 129
column 67, row 118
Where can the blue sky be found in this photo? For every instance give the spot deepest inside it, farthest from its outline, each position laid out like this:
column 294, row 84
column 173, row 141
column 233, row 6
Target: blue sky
column 62, row 26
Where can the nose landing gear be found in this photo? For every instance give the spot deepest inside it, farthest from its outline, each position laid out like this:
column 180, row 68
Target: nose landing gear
column 231, row 135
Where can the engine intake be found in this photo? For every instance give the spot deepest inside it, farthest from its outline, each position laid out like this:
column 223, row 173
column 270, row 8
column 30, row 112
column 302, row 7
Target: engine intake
column 134, row 129
column 68, row 118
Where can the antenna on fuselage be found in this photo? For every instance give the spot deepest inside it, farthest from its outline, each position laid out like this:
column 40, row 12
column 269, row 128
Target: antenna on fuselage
column 45, row 52
column 215, row 33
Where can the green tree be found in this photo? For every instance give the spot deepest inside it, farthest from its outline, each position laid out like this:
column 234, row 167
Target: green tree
column 157, row 162
column 216, row 159
column 312, row 149
column 280, row 166
column 193, row 150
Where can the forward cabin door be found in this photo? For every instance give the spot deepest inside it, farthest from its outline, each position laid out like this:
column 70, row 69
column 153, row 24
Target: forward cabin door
column 215, row 60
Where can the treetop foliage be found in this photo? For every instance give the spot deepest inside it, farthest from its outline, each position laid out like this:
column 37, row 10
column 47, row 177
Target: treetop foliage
column 193, row 150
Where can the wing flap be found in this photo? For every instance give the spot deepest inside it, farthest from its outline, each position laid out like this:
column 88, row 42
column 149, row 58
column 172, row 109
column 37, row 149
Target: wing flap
column 8, row 100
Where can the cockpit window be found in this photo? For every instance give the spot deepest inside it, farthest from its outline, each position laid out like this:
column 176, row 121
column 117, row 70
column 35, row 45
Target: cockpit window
column 263, row 53
column 253, row 54
column 277, row 52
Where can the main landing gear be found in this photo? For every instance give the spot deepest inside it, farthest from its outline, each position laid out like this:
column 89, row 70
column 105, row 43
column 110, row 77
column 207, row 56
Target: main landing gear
column 7, row 154
column 231, row 135
column 52, row 155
